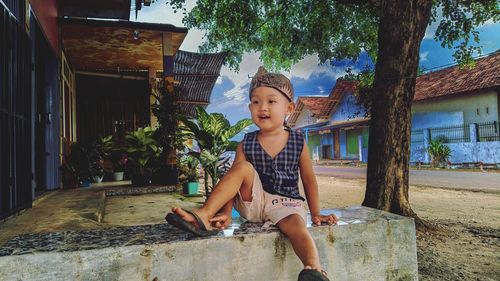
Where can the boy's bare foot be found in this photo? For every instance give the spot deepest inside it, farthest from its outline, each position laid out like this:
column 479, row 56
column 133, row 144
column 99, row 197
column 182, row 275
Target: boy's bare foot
column 191, row 219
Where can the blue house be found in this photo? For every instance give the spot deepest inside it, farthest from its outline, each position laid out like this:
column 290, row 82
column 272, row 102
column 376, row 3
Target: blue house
column 342, row 130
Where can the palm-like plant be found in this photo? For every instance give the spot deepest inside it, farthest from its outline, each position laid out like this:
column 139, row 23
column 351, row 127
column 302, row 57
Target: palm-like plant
column 213, row 133
column 439, row 152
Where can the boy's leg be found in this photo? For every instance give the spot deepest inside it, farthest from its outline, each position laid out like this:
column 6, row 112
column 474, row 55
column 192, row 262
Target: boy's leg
column 295, row 229
column 238, row 178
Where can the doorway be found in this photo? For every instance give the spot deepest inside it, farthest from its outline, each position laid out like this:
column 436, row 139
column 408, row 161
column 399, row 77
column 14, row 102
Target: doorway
column 46, row 112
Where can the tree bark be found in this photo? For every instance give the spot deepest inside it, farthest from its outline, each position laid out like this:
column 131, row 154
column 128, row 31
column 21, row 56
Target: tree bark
column 401, row 29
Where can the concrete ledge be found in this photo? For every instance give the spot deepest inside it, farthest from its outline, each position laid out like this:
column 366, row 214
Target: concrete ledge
column 134, row 190
column 367, row 244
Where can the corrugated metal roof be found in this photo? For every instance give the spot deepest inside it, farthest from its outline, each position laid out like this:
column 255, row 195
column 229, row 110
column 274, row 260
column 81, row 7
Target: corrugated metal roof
column 196, row 74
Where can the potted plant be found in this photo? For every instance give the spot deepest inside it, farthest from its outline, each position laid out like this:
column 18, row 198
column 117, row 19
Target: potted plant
column 96, row 163
column 119, row 161
column 78, row 164
column 142, row 151
column 68, row 170
column 212, row 132
column 189, row 174
column 114, row 158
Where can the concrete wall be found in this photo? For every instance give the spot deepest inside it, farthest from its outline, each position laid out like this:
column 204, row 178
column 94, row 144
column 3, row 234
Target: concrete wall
column 367, row 244
column 464, row 152
column 487, row 152
column 469, row 105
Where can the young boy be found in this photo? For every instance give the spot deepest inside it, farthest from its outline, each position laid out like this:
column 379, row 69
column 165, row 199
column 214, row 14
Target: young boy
column 262, row 184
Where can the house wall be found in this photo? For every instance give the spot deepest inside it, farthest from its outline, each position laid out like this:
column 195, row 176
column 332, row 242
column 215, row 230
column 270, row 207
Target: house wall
column 305, row 118
column 327, row 139
column 468, row 105
column 314, row 146
column 429, row 119
column 46, row 14
column 343, row 144
column 347, row 110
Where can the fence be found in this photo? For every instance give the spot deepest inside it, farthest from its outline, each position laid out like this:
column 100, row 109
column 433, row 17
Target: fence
column 488, row 131
column 451, row 134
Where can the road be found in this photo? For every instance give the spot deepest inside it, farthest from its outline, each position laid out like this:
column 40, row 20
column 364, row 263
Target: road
column 475, row 181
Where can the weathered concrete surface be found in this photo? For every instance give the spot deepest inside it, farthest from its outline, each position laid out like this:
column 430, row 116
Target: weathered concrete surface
column 146, row 208
column 367, row 244
column 79, row 209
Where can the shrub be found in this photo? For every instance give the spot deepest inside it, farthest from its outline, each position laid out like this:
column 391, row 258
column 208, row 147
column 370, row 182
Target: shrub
column 439, row 153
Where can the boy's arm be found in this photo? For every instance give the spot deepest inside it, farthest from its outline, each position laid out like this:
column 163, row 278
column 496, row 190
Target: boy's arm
column 311, row 189
column 309, row 181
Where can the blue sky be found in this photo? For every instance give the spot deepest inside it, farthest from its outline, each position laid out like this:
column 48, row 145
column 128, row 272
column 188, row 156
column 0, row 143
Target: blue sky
column 230, row 94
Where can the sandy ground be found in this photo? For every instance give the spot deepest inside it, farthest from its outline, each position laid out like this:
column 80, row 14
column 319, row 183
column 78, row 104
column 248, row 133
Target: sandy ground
column 468, row 245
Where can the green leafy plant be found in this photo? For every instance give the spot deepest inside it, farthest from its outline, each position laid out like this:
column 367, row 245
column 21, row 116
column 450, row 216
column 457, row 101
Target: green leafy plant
column 113, row 154
column 142, row 150
column 212, row 132
column 83, row 161
column 439, row 153
column 165, row 109
column 188, row 166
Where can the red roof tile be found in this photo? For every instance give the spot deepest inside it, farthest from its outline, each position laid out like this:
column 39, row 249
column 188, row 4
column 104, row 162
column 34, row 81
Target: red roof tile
column 453, row 80
column 322, row 106
column 314, row 104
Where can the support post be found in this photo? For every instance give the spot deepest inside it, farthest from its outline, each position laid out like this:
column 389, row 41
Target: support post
column 427, row 140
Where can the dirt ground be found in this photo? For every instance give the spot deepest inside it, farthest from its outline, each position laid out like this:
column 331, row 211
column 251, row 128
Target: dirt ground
column 467, row 244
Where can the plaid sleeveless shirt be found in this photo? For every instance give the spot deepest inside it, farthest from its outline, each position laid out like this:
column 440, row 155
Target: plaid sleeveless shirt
column 281, row 174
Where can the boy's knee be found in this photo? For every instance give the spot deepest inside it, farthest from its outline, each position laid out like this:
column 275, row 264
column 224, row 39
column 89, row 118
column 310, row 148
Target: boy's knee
column 244, row 166
column 292, row 224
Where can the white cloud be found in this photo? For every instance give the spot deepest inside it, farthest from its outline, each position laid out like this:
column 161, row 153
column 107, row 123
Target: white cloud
column 423, row 56
column 193, row 40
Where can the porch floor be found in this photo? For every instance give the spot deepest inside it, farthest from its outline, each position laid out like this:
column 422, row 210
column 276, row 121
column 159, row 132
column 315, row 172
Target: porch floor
column 84, row 208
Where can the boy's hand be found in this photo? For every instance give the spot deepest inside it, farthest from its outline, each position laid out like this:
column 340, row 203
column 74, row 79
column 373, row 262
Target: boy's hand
column 221, row 220
column 329, row 219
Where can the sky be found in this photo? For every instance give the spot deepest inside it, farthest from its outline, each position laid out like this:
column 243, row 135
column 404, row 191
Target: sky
column 230, row 93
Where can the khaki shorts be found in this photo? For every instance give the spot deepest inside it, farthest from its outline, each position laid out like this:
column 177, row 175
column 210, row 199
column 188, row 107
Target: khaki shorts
column 267, row 208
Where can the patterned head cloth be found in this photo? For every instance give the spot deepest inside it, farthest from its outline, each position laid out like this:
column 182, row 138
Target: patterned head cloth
column 272, row 80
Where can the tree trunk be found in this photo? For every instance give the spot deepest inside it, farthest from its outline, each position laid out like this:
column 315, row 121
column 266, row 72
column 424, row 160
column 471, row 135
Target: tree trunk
column 401, row 29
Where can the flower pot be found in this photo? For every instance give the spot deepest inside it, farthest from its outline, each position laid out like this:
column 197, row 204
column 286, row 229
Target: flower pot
column 97, row 179
column 141, row 180
column 191, row 188
column 118, row 176
column 85, row 183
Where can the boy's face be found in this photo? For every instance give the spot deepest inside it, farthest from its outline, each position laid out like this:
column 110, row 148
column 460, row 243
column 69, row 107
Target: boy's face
column 269, row 108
